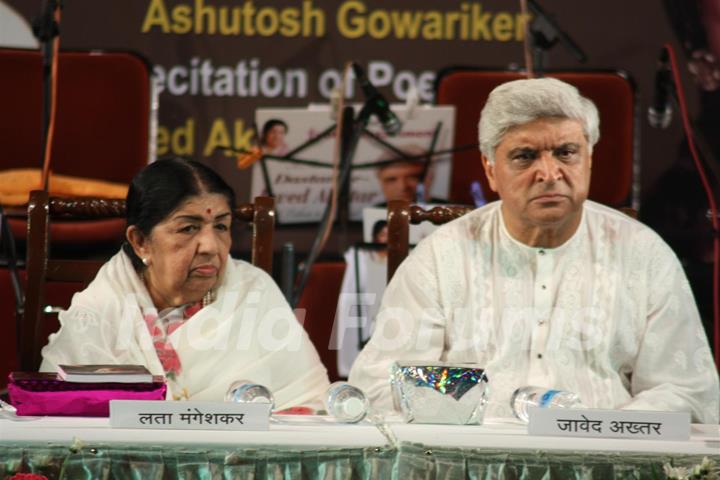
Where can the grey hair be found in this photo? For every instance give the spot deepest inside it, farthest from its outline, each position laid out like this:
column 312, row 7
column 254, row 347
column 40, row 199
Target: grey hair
column 521, row 101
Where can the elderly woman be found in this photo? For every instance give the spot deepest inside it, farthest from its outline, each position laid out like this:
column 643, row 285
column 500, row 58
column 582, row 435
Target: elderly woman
column 175, row 301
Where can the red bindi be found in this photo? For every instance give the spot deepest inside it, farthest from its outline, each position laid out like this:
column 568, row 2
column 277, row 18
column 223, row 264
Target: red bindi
column 209, row 211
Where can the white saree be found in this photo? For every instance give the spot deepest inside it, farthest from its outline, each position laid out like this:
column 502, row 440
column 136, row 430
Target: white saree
column 248, row 333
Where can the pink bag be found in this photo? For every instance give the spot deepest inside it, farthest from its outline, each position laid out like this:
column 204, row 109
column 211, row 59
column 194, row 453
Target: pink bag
column 45, row 394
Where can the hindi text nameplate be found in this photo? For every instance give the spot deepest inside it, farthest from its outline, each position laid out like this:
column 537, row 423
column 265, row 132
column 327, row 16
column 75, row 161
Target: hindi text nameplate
column 189, row 415
column 644, row 425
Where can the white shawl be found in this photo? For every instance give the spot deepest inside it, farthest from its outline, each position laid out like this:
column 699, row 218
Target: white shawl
column 248, row 333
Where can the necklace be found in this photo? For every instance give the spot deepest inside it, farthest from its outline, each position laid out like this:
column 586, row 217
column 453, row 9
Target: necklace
column 208, row 298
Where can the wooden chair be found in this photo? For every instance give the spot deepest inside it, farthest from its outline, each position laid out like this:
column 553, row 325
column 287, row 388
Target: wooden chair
column 401, row 215
column 42, row 269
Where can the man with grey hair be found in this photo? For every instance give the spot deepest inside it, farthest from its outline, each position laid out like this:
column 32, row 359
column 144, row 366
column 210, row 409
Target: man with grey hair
column 545, row 287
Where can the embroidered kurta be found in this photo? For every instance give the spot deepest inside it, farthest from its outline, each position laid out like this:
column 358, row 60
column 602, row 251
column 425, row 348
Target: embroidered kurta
column 247, row 333
column 608, row 315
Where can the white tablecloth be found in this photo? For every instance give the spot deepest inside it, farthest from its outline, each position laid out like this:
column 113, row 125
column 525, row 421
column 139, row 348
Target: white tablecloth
column 320, row 432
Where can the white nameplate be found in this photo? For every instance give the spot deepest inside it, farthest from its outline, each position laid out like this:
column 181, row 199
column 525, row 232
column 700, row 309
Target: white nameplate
column 189, row 415
column 643, row 425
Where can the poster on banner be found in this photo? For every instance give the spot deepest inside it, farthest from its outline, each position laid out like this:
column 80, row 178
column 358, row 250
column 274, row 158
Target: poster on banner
column 383, row 167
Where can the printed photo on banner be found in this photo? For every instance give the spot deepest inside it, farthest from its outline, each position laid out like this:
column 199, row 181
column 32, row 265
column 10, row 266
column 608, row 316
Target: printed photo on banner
column 297, row 146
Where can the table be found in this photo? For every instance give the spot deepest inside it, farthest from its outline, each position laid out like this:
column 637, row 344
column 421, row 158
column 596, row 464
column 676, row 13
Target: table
column 313, row 447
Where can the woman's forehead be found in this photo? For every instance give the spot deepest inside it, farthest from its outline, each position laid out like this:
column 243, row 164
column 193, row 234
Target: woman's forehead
column 203, row 205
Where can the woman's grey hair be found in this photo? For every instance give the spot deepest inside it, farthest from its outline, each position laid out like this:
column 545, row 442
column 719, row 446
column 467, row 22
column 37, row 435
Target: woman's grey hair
column 522, row 101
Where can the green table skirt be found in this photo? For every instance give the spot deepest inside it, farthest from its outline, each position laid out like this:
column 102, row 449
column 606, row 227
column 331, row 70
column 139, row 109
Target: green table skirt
column 407, row 462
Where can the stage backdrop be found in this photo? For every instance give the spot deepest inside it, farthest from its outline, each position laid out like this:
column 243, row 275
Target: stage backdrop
column 217, row 61
column 298, row 169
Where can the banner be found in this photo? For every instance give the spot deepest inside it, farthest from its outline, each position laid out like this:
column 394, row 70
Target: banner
column 383, row 167
column 217, row 61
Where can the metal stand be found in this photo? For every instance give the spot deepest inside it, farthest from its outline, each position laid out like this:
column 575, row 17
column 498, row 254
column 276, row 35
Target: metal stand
column 46, row 29
column 545, row 33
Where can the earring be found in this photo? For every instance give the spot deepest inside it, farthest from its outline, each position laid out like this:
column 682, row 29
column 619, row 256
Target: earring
column 146, row 261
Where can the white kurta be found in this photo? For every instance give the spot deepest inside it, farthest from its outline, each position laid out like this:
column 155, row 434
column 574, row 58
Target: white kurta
column 247, row 333
column 608, row 315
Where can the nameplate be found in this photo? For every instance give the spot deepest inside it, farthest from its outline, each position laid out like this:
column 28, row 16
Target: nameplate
column 642, row 425
column 163, row 415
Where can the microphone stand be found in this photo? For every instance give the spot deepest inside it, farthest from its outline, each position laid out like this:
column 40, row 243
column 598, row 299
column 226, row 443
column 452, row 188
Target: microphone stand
column 353, row 128
column 545, row 34
column 350, row 136
column 46, row 29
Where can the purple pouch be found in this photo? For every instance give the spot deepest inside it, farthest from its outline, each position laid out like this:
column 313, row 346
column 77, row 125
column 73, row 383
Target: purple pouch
column 45, row 394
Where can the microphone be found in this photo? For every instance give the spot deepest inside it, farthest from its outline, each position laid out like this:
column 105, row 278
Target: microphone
column 660, row 111
column 377, row 103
